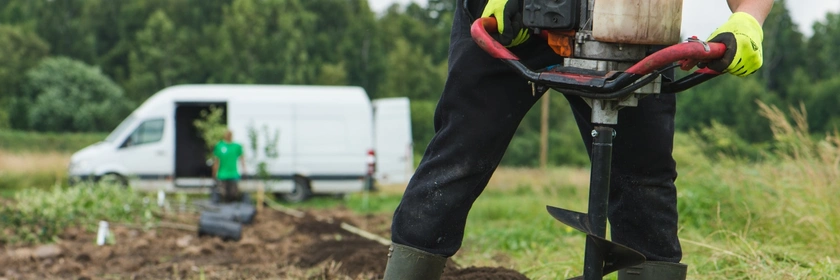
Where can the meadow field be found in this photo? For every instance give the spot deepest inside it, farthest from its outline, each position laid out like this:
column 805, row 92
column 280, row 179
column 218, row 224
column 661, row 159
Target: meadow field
column 771, row 218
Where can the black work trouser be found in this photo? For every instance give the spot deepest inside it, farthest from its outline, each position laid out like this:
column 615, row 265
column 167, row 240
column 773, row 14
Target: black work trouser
column 481, row 106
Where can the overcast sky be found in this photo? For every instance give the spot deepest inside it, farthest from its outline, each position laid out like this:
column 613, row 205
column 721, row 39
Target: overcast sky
column 701, row 17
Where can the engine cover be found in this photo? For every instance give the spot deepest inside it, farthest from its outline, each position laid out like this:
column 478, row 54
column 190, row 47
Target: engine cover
column 551, row 14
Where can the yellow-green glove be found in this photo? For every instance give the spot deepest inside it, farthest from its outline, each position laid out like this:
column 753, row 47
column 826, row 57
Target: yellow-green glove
column 509, row 20
column 742, row 35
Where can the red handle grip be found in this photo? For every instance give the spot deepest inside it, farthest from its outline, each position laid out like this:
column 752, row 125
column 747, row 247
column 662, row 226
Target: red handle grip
column 609, row 86
column 480, row 32
column 687, row 51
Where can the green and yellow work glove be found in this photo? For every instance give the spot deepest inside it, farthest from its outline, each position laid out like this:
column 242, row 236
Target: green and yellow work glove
column 742, row 35
column 509, row 20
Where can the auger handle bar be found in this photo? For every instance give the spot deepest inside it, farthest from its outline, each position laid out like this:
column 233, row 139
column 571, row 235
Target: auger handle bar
column 612, row 85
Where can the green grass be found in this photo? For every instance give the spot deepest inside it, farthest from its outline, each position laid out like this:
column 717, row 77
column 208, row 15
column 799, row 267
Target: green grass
column 774, row 218
column 37, row 160
column 362, row 203
column 10, row 183
column 24, row 141
column 770, row 217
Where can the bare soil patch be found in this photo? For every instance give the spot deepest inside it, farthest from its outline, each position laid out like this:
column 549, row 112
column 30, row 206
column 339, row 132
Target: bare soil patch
column 275, row 246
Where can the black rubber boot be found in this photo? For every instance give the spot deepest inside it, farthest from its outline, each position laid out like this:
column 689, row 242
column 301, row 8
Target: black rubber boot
column 654, row 271
column 406, row 263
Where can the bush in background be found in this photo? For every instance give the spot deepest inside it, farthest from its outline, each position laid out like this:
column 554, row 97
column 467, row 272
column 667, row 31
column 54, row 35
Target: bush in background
column 65, row 95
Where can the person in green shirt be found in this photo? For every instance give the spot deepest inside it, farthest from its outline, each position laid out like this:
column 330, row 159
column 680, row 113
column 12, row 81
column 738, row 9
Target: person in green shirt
column 226, row 154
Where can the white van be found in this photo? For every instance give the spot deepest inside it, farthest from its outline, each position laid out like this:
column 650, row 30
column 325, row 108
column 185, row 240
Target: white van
column 323, row 137
column 393, row 140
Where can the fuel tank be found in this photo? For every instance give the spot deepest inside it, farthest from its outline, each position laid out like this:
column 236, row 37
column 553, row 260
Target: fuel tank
column 644, row 22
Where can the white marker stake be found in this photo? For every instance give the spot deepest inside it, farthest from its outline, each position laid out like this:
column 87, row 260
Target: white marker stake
column 161, row 198
column 102, row 233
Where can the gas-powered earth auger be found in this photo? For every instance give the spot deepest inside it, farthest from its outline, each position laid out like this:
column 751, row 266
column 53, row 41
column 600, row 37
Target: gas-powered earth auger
column 605, row 45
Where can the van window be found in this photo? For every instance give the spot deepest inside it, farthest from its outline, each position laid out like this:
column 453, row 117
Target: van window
column 150, row 131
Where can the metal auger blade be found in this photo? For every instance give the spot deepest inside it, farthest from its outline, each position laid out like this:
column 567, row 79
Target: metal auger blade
column 616, row 256
column 576, row 220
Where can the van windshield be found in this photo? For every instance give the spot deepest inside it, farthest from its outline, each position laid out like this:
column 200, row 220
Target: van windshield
column 120, row 129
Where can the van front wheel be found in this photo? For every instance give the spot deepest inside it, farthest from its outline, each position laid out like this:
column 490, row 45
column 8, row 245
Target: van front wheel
column 301, row 191
column 113, row 179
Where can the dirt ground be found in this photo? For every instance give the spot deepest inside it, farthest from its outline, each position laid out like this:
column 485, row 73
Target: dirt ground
column 275, row 246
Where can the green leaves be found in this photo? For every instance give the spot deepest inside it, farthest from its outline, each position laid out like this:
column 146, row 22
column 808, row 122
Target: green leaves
column 20, row 50
column 39, row 216
column 161, row 58
column 145, row 46
column 211, row 127
column 64, row 95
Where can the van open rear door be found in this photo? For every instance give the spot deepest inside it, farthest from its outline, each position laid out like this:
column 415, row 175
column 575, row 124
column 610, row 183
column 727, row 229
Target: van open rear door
column 393, row 140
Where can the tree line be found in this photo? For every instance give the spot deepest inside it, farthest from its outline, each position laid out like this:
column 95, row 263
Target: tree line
column 83, row 65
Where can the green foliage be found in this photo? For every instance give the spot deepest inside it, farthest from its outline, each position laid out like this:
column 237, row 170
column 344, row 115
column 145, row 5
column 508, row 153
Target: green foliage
column 822, row 48
column 729, row 100
column 784, row 50
column 717, row 140
column 258, row 42
column 565, row 146
column 211, row 127
column 422, row 124
column 4, row 118
column 269, row 149
column 351, row 31
column 26, row 141
column 39, row 216
column 333, row 75
column 412, row 75
column 64, row 95
column 823, row 105
column 161, row 59
column 21, row 50
column 145, row 46
column 523, row 150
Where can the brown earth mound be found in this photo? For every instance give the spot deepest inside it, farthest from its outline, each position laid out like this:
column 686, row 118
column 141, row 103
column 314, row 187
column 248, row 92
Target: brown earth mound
column 275, row 246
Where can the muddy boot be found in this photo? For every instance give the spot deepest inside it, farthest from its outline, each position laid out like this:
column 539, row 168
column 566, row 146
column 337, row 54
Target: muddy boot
column 654, row 271
column 406, row 263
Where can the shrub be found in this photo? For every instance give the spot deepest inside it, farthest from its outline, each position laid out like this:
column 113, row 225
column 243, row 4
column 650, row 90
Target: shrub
column 39, row 216
column 64, row 95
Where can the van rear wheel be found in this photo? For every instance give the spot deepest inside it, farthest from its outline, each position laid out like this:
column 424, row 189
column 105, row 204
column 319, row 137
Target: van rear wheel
column 301, row 191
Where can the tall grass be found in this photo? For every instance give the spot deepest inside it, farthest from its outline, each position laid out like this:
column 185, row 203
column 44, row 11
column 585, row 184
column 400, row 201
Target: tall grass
column 29, row 162
column 37, row 160
column 775, row 219
column 774, row 216
column 25, row 141
column 23, row 170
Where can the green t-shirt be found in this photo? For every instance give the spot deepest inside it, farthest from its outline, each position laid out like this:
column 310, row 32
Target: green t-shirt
column 228, row 154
